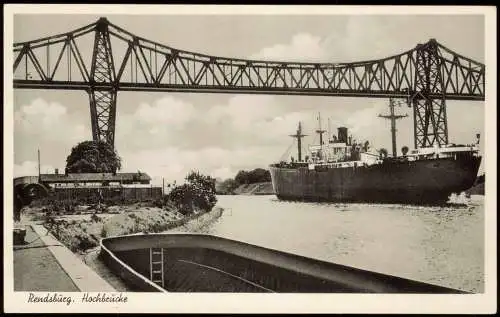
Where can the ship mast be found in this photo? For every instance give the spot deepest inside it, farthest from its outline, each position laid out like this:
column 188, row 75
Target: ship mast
column 320, row 131
column 299, row 137
column 329, row 132
column 393, row 117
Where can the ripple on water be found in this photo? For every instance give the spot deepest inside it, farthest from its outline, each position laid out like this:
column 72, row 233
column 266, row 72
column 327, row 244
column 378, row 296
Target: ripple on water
column 436, row 244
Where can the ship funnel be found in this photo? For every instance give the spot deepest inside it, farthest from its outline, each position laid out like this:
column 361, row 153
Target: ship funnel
column 342, row 132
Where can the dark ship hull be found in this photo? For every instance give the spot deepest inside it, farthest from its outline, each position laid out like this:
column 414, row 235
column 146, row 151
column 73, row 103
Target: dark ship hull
column 414, row 182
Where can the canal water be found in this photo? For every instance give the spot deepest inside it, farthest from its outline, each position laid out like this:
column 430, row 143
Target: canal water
column 439, row 245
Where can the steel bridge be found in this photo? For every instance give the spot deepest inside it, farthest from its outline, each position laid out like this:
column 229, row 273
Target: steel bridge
column 426, row 76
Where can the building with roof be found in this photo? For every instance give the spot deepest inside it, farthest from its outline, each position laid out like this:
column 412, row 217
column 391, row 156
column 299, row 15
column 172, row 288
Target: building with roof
column 94, row 179
column 91, row 186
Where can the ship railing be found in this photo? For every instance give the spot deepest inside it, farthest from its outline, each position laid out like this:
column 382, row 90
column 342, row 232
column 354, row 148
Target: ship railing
column 352, row 164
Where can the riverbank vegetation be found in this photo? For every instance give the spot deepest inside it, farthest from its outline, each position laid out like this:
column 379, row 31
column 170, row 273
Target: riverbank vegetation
column 256, row 181
column 80, row 227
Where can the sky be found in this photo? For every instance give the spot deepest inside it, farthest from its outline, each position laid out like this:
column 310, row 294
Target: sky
column 168, row 134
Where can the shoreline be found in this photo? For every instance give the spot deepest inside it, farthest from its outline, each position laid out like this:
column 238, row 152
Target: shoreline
column 82, row 233
column 252, row 189
column 194, row 224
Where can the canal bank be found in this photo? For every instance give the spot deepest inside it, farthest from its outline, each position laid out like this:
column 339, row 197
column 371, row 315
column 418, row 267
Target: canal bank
column 196, row 223
column 44, row 264
column 50, row 262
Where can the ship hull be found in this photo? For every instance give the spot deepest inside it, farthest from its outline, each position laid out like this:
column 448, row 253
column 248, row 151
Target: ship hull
column 413, row 182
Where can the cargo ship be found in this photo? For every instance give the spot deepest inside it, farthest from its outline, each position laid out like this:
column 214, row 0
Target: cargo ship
column 343, row 171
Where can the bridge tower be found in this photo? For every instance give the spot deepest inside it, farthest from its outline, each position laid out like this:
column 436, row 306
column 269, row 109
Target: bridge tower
column 429, row 113
column 102, row 98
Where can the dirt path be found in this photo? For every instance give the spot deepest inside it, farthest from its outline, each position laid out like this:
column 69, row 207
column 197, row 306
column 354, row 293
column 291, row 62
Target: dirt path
column 91, row 259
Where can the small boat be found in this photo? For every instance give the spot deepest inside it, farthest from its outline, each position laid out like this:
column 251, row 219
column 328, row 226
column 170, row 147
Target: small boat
column 206, row 263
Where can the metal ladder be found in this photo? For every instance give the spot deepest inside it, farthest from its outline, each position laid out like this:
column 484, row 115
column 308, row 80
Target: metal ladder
column 156, row 266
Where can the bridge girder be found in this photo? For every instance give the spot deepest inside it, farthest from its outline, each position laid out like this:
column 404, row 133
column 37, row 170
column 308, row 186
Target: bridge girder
column 427, row 76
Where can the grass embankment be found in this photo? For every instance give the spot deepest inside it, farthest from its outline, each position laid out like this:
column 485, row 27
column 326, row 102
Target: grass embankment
column 84, row 231
column 263, row 188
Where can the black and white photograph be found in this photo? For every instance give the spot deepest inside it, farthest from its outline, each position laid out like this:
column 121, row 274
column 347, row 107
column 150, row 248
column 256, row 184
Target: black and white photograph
column 196, row 158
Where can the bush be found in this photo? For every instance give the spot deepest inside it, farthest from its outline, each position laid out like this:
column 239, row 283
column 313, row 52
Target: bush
column 197, row 193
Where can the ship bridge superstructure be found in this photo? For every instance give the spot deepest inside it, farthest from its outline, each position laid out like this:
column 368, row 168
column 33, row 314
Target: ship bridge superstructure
column 426, row 76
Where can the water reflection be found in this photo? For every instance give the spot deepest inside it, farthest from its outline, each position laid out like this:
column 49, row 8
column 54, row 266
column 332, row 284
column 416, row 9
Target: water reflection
column 437, row 244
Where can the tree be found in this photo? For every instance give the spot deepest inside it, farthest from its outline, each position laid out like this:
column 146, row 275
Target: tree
column 198, row 192
column 241, row 177
column 226, row 187
column 258, row 175
column 93, row 157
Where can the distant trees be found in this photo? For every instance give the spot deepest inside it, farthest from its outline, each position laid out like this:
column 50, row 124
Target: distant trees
column 197, row 193
column 93, row 157
column 226, row 187
column 258, row 175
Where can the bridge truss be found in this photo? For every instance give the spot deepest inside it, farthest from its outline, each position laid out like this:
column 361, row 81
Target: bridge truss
column 426, row 76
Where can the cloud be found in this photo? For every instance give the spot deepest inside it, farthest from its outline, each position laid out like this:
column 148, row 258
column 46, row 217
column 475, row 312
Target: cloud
column 223, row 173
column 49, row 120
column 242, row 111
column 303, row 47
column 30, row 168
column 166, row 111
column 49, row 126
column 155, row 124
column 174, row 163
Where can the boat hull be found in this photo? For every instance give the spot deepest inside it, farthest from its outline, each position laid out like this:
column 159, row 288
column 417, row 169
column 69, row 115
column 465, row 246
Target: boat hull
column 420, row 182
column 206, row 263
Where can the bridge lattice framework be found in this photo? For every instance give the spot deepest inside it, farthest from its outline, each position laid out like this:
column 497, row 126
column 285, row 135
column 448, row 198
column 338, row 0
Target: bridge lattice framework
column 426, row 76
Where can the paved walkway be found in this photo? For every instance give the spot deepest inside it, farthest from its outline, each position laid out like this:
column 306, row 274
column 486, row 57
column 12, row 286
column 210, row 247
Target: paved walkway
column 36, row 269
column 44, row 264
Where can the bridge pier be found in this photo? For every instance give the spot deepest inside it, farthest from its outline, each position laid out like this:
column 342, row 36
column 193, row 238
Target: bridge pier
column 102, row 100
column 429, row 113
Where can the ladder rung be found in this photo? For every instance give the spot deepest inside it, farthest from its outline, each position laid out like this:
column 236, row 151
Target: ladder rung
column 157, row 261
